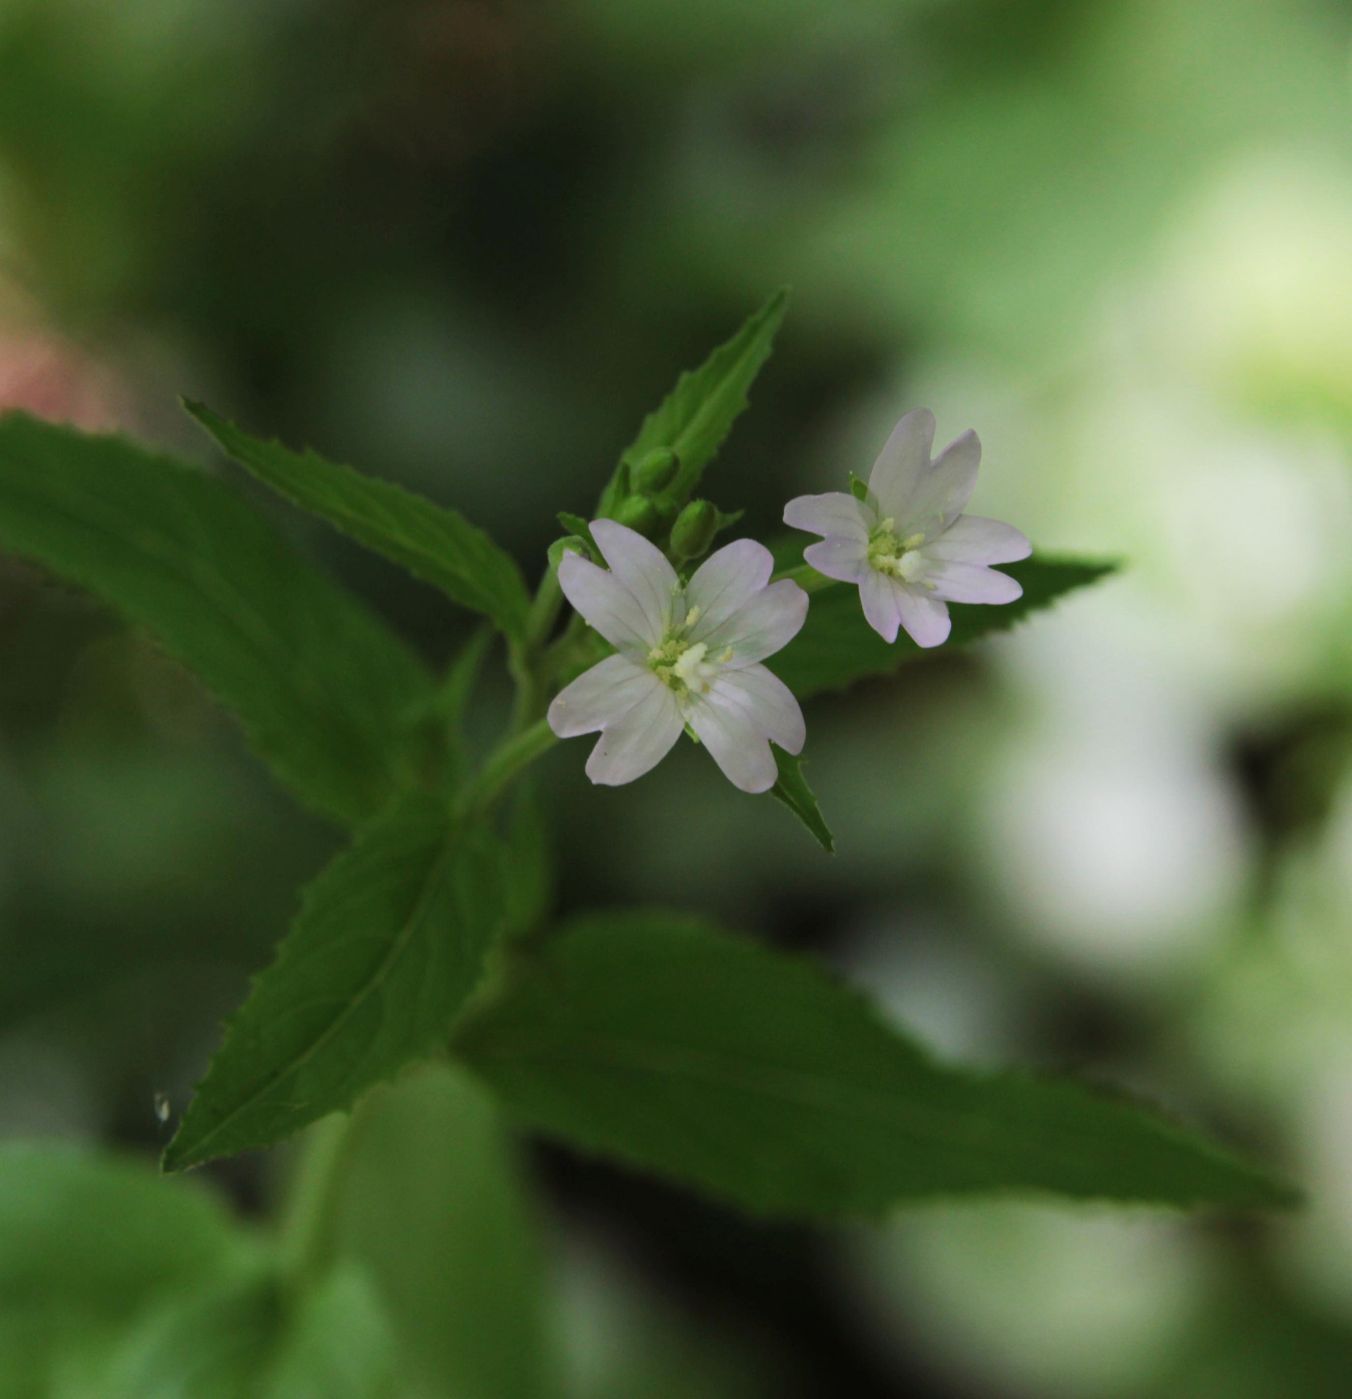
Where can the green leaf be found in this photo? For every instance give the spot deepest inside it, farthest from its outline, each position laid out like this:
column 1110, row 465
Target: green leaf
column 443, row 726
column 389, row 943
column 87, row 1243
column 57, row 1247
column 432, row 1203
column 245, row 1334
column 837, row 646
column 435, row 544
column 699, row 412
column 716, row 1061
column 320, row 685
column 792, row 789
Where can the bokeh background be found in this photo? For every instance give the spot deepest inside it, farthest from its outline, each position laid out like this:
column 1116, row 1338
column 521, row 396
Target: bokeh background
column 467, row 244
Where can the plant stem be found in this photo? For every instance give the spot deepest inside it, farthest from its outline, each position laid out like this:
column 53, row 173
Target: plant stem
column 316, row 1190
column 504, row 763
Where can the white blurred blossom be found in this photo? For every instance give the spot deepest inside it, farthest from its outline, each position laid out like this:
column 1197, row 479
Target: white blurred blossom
column 907, row 545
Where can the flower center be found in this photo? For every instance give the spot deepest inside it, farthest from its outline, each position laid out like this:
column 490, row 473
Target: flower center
column 680, row 665
column 896, row 557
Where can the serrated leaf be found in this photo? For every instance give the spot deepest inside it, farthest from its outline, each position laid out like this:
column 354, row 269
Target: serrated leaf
column 699, row 412
column 434, row 543
column 791, row 788
column 749, row 1073
column 320, row 685
column 389, row 944
column 837, row 646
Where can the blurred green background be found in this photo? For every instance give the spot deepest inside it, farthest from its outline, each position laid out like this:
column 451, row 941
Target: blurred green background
column 467, row 244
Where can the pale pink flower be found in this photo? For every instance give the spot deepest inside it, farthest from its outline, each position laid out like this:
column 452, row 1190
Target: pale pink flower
column 687, row 655
column 907, row 544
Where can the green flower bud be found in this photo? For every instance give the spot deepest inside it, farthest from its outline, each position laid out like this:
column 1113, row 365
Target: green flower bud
column 638, row 512
column 858, row 488
column 654, row 470
column 569, row 544
column 694, row 530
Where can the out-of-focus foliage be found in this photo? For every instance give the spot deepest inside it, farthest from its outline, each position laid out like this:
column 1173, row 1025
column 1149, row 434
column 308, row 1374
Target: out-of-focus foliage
column 464, row 243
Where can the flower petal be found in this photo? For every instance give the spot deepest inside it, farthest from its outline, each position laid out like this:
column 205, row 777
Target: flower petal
column 902, row 462
column 736, row 742
column 835, row 512
column 606, row 604
column 941, row 492
column 643, row 568
column 971, row 539
column 767, row 702
column 839, row 558
column 760, row 627
column 600, row 696
column 878, row 595
column 926, row 619
column 638, row 741
column 726, row 580
column 969, row 582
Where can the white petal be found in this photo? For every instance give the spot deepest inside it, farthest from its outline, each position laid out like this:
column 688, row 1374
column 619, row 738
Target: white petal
column 971, row 539
column 767, row 702
column 606, row 604
column 836, row 557
column 970, row 582
column 759, row 628
column 879, row 596
column 832, row 513
column 735, row 741
column 726, row 580
column 600, row 696
column 643, row 568
column 926, row 620
column 903, row 460
column 941, row 493
column 638, row 741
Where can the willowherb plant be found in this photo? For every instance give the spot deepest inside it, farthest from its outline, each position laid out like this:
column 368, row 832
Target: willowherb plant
column 643, row 1034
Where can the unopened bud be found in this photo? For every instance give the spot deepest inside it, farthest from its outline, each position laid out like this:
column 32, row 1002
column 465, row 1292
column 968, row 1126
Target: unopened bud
column 638, row 512
column 569, row 544
column 654, row 470
column 694, row 530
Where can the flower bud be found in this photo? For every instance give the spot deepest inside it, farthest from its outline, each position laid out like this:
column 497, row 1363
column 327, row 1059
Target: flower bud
column 694, row 530
column 569, row 544
column 655, row 470
column 638, row 512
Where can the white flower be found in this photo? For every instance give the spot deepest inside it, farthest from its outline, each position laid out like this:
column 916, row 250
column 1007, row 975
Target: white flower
column 907, row 544
column 687, row 655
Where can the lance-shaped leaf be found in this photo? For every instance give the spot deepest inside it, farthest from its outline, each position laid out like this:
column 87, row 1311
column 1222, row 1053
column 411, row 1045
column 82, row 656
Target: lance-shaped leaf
column 699, row 412
column 712, row 1060
column 321, row 686
column 389, row 944
column 791, row 788
column 435, row 544
column 837, row 646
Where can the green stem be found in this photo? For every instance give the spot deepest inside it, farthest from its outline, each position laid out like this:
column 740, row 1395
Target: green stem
column 505, row 763
column 544, row 609
column 316, row 1192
